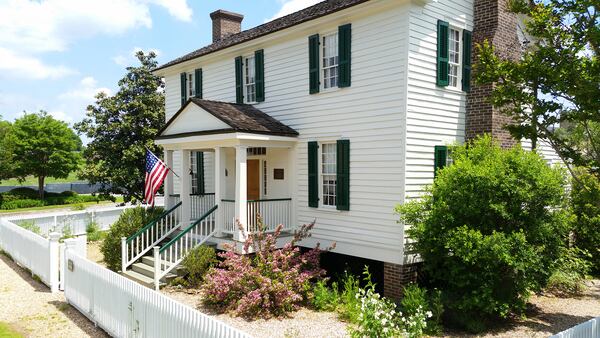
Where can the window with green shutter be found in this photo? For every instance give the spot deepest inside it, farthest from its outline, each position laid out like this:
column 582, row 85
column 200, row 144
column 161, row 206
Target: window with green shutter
column 313, row 176
column 259, row 64
column 343, row 175
column 239, row 80
column 183, row 78
column 198, row 83
column 344, row 52
column 466, row 68
column 442, row 52
column 441, row 158
column 313, row 63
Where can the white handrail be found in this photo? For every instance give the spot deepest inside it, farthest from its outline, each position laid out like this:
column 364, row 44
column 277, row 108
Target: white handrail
column 136, row 246
column 169, row 256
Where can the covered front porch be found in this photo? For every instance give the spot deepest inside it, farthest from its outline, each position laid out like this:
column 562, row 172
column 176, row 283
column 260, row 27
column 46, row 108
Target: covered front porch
column 246, row 170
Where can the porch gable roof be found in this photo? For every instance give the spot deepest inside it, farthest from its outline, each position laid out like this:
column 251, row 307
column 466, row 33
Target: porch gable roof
column 205, row 117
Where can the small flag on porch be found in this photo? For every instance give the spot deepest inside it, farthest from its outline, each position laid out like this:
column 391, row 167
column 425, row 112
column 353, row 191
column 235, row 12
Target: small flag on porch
column 156, row 171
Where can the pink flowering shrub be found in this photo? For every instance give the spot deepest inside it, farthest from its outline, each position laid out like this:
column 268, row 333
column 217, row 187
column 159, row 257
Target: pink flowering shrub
column 270, row 282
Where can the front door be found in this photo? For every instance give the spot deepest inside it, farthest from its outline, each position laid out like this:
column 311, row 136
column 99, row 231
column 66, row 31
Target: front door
column 253, row 179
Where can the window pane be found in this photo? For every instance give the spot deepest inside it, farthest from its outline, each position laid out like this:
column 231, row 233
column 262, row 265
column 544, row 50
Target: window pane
column 249, row 79
column 454, row 58
column 328, row 172
column 330, row 60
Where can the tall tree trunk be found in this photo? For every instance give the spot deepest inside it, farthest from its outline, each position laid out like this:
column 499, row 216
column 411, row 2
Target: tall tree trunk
column 41, row 186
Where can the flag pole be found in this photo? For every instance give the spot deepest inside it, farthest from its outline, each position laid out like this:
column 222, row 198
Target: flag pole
column 173, row 171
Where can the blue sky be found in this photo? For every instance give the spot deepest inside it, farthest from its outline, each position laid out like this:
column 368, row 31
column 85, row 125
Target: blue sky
column 57, row 54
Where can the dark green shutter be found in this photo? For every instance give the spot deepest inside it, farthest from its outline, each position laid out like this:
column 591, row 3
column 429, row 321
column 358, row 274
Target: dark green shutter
column 440, row 158
column 313, row 174
column 183, row 78
column 200, row 173
column 443, row 39
column 239, row 80
column 259, row 72
column 313, row 63
column 198, row 82
column 343, row 175
column 466, row 69
column 344, row 52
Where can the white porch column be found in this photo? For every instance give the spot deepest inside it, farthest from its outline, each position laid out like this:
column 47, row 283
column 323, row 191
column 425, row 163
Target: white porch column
column 241, row 196
column 292, row 185
column 169, row 179
column 186, row 188
column 219, row 189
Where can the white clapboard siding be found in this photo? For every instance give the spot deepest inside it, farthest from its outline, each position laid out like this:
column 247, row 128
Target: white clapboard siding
column 124, row 308
column 435, row 116
column 371, row 114
column 545, row 150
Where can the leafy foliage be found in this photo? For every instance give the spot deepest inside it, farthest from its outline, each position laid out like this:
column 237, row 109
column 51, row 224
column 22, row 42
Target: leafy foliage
column 27, row 198
column 415, row 299
column 569, row 276
column 585, row 197
column 130, row 221
column 552, row 90
column 31, row 226
column 350, row 308
column 93, row 232
column 325, row 298
column 121, row 127
column 271, row 283
column 197, row 263
column 42, row 147
column 490, row 229
column 6, row 155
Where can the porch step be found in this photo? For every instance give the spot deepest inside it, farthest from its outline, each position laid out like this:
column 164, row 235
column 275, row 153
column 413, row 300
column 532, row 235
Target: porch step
column 148, row 270
column 141, row 279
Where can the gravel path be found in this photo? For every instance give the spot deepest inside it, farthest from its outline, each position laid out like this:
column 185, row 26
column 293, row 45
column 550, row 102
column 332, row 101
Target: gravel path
column 303, row 323
column 30, row 308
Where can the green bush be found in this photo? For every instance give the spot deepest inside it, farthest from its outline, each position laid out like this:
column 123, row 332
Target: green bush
column 416, row 299
column 11, row 200
column 325, row 298
column 196, row 263
column 93, row 232
column 569, row 277
column 130, row 221
column 490, row 230
column 585, row 197
column 349, row 304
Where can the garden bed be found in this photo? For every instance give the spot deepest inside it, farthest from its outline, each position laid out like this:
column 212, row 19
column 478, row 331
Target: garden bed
column 303, row 323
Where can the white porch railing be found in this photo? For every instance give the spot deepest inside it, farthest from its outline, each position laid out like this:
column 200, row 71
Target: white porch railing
column 124, row 308
column 589, row 329
column 273, row 212
column 136, row 246
column 199, row 203
column 172, row 253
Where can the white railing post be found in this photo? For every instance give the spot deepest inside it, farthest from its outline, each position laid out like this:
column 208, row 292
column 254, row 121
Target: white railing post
column 53, row 261
column 123, row 254
column 157, row 268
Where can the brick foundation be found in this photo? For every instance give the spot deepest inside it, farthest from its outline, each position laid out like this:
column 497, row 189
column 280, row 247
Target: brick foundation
column 396, row 276
column 492, row 22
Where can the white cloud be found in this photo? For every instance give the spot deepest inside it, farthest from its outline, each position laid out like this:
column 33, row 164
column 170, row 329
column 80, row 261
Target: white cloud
column 291, row 6
column 52, row 25
column 61, row 115
column 129, row 59
column 83, row 94
column 23, row 66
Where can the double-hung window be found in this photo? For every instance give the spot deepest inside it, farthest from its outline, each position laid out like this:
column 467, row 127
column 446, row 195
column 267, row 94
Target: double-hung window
column 328, row 174
column 194, row 168
column 190, row 85
column 454, row 58
column 330, row 61
column 249, row 79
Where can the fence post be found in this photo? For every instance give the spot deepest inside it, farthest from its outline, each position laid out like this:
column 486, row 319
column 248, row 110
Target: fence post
column 123, row 254
column 156, row 268
column 69, row 245
column 53, row 261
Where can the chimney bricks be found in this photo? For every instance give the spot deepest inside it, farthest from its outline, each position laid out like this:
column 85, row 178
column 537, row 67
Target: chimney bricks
column 225, row 23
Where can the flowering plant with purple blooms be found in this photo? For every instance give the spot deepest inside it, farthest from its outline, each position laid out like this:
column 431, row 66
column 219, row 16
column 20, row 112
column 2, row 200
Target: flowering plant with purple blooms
column 269, row 281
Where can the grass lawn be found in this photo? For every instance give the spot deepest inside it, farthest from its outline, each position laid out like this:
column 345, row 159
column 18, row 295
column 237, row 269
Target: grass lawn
column 30, row 180
column 78, row 206
column 7, row 332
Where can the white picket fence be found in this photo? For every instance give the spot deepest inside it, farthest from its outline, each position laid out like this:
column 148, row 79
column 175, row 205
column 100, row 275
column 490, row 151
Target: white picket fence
column 589, row 329
column 124, row 308
column 73, row 222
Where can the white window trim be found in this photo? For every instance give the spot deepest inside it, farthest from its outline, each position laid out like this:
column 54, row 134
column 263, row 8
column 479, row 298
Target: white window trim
column 459, row 74
column 320, row 152
column 321, row 68
column 191, row 84
column 244, row 76
column 194, row 169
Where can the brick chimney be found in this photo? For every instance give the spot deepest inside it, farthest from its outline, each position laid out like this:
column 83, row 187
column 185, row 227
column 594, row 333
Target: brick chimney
column 225, row 23
column 494, row 22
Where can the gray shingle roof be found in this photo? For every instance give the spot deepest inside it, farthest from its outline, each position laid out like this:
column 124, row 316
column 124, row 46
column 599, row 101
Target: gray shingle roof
column 307, row 14
column 240, row 117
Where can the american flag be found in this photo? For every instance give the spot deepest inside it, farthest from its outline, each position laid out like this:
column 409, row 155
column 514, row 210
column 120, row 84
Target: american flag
column 156, row 171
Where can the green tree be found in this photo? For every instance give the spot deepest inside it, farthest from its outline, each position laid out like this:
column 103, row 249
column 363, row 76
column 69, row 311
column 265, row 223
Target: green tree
column 121, row 127
column 6, row 156
column 42, row 147
column 490, row 229
column 552, row 91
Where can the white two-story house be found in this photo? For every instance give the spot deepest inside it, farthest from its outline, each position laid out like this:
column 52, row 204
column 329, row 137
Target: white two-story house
column 333, row 114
